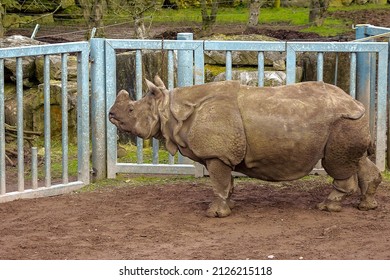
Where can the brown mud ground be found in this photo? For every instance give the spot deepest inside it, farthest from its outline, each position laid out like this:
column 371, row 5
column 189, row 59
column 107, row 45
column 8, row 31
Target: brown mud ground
column 165, row 219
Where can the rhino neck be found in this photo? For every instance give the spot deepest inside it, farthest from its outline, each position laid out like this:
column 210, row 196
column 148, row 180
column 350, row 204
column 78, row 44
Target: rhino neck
column 165, row 117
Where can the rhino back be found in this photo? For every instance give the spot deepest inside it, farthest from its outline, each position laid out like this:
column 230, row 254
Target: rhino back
column 287, row 127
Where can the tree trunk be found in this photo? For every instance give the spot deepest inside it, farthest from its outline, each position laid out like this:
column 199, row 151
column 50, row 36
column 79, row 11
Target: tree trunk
column 93, row 15
column 97, row 17
column 317, row 12
column 208, row 21
column 254, row 12
column 139, row 27
column 277, row 4
column 1, row 21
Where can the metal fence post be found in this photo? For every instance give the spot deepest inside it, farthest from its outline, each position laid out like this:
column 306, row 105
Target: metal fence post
column 98, row 108
column 185, row 73
column 185, row 63
column 363, row 73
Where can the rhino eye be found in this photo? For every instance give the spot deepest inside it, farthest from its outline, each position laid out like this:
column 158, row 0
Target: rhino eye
column 131, row 108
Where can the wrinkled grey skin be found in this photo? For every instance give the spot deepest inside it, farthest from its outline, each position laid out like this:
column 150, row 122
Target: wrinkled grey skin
column 273, row 134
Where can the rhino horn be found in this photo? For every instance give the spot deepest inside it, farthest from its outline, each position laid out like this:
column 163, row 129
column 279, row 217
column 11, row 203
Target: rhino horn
column 123, row 95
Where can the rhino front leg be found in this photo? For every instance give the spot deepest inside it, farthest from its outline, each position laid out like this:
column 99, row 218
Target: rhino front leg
column 222, row 181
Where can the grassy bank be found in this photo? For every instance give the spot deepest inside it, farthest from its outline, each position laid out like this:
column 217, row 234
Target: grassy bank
column 283, row 16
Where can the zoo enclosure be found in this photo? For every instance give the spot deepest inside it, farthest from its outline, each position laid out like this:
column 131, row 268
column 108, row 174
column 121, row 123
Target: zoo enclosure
column 369, row 64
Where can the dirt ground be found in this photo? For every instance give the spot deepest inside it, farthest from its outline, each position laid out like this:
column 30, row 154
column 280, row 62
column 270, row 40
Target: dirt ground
column 165, row 219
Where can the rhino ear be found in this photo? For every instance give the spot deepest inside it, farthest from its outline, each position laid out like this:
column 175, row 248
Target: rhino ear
column 158, row 82
column 153, row 89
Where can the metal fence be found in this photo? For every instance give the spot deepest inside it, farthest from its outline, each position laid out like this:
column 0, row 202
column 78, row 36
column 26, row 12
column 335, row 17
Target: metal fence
column 191, row 56
column 46, row 186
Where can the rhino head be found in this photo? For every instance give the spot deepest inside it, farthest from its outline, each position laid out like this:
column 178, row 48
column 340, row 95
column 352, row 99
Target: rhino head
column 140, row 118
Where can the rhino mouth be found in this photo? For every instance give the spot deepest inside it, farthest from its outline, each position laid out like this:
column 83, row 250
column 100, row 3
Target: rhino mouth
column 115, row 121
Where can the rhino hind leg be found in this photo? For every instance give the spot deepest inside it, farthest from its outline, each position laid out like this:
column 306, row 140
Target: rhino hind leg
column 342, row 188
column 369, row 178
column 345, row 159
column 222, row 181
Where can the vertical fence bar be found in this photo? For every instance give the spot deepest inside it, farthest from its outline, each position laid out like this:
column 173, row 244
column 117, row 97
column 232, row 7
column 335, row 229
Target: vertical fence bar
column 336, row 69
column 2, row 130
column 83, row 116
column 171, row 84
column 320, row 66
column 46, row 104
column 381, row 121
column 98, row 109
column 229, row 65
column 291, row 62
column 363, row 71
column 64, row 109
column 373, row 84
column 199, row 64
column 352, row 76
column 34, row 168
column 388, row 94
column 138, row 80
column 185, row 63
column 19, row 98
column 156, row 147
column 260, row 69
column 185, row 73
column 111, row 133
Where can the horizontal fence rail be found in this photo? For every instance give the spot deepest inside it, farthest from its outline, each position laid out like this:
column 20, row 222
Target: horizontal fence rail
column 48, row 187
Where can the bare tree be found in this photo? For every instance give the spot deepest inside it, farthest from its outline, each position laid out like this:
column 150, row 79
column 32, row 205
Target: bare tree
column 208, row 20
column 317, row 12
column 93, row 15
column 137, row 10
column 254, row 12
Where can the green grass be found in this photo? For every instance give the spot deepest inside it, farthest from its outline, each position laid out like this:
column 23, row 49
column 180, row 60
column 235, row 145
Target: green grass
column 290, row 16
column 287, row 16
column 129, row 152
column 56, row 159
column 331, row 27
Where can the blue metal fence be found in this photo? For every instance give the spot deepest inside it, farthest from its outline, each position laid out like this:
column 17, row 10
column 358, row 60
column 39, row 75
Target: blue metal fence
column 25, row 190
column 368, row 71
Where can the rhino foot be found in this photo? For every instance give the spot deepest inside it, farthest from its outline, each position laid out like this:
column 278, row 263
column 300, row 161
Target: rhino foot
column 331, row 206
column 219, row 209
column 368, row 203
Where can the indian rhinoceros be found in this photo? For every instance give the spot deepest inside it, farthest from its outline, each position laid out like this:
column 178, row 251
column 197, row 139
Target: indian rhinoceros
column 270, row 133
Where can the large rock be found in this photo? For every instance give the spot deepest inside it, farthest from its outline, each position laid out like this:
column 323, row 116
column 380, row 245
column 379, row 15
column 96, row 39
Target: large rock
column 308, row 61
column 10, row 106
column 250, row 78
column 28, row 63
column 245, row 58
column 154, row 62
column 56, row 67
column 55, row 108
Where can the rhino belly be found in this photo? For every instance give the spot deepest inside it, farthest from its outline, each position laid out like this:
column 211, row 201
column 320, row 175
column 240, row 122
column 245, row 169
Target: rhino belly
column 280, row 148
